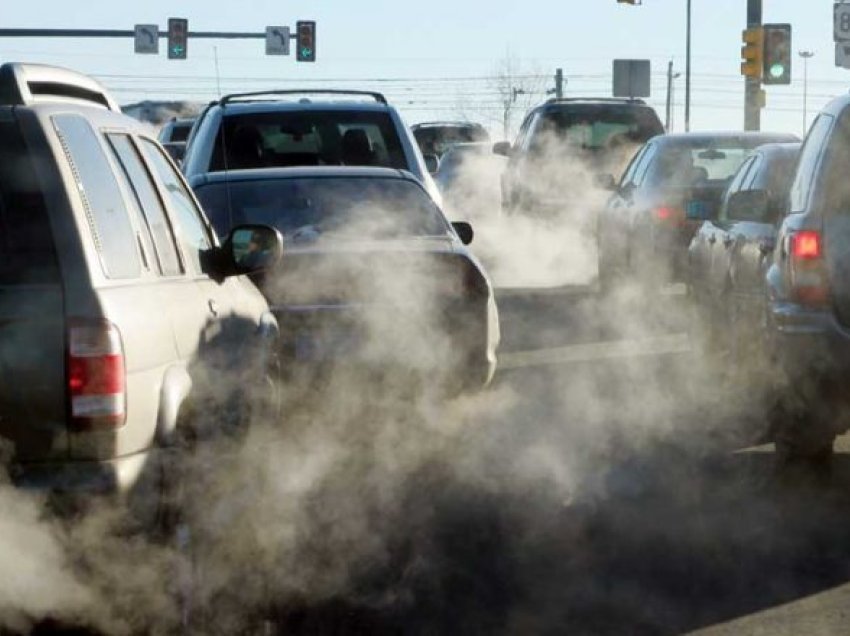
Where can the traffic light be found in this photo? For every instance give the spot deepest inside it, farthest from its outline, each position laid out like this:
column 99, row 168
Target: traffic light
column 306, row 49
column 777, row 54
column 178, row 38
column 751, row 52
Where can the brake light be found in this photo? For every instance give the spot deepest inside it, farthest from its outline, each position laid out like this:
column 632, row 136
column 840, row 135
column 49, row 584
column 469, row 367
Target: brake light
column 808, row 273
column 669, row 214
column 806, row 245
column 96, row 376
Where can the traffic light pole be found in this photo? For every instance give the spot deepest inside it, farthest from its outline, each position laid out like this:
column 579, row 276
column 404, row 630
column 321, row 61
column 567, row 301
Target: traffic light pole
column 752, row 94
column 121, row 33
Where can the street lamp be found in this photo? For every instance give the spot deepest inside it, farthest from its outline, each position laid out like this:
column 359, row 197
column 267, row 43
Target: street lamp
column 805, row 55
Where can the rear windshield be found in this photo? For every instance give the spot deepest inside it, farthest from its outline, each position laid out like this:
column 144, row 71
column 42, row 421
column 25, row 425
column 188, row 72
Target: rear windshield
column 436, row 140
column 180, row 131
column 596, row 127
column 308, row 138
column 27, row 253
column 305, row 209
column 704, row 162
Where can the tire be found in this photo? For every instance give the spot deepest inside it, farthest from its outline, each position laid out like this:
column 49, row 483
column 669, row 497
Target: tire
column 804, row 448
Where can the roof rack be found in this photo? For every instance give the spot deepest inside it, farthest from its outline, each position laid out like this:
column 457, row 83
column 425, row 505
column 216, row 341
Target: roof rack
column 456, row 122
column 25, row 84
column 609, row 100
column 378, row 97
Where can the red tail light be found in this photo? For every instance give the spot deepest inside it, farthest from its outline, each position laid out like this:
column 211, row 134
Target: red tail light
column 806, row 245
column 669, row 214
column 808, row 273
column 96, row 376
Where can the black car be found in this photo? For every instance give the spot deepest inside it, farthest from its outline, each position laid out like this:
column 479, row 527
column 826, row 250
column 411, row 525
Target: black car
column 375, row 275
column 563, row 142
column 808, row 290
column 437, row 137
column 729, row 254
column 643, row 230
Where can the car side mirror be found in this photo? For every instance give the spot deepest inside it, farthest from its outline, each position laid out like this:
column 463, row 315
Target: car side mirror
column 502, row 148
column 464, row 231
column 250, row 249
column 432, row 163
column 605, row 182
column 748, row 205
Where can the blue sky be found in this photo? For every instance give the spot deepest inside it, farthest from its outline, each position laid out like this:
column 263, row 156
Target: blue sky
column 442, row 58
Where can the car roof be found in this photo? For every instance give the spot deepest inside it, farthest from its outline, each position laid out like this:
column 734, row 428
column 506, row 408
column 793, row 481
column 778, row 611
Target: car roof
column 305, row 172
column 446, row 124
column 750, row 137
column 775, row 148
column 566, row 102
column 836, row 106
column 264, row 106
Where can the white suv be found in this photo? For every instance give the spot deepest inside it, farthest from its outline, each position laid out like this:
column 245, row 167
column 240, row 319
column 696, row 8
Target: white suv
column 255, row 130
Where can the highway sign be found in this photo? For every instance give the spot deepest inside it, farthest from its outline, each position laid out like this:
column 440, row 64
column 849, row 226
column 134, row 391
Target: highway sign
column 147, row 38
column 631, row 78
column 841, row 22
column 277, row 40
column 842, row 54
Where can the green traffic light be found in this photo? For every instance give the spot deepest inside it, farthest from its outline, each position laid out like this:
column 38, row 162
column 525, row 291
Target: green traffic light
column 777, row 70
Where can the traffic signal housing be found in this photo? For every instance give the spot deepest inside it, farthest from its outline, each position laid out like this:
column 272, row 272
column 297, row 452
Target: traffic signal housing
column 752, row 52
column 777, row 54
column 178, row 38
column 306, row 39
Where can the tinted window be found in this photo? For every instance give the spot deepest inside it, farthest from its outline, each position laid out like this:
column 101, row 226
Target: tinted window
column 308, row 138
column 26, row 243
column 629, row 174
column 710, row 162
column 154, row 216
column 745, row 173
column 836, row 182
column 643, row 168
column 808, row 162
column 104, row 204
column 311, row 207
column 598, row 126
column 439, row 139
column 192, row 231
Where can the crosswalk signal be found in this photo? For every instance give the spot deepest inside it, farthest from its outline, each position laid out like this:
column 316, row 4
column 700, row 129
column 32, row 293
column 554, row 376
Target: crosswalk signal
column 178, row 36
column 306, row 39
column 777, row 54
column 751, row 52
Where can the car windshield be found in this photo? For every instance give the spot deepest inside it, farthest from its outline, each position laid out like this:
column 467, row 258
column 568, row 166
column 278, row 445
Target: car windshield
column 308, row 138
column 305, row 209
column 437, row 140
column 596, row 128
column 708, row 162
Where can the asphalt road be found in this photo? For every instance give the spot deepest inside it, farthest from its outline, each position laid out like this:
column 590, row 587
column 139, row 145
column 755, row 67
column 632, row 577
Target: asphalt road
column 630, row 500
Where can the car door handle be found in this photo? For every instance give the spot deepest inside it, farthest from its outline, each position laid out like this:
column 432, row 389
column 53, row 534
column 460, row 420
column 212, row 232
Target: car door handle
column 712, row 239
column 213, row 307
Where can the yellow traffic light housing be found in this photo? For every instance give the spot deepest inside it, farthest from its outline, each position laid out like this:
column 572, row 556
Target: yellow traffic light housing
column 752, row 52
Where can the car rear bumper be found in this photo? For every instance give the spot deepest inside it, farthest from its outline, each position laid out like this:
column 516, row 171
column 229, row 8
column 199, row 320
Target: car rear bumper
column 808, row 341
column 82, row 478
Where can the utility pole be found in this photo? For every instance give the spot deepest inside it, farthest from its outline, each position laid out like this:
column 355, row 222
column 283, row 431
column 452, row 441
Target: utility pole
column 806, row 55
column 559, row 83
column 688, row 72
column 752, row 88
column 668, row 120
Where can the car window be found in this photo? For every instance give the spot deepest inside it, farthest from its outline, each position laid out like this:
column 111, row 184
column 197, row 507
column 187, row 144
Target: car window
column 308, row 138
column 193, row 231
column 112, row 231
column 308, row 208
column 736, row 185
column 753, row 172
column 595, row 127
column 629, row 173
column 27, row 252
column 808, row 162
column 643, row 167
column 709, row 162
column 836, row 183
column 140, row 183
